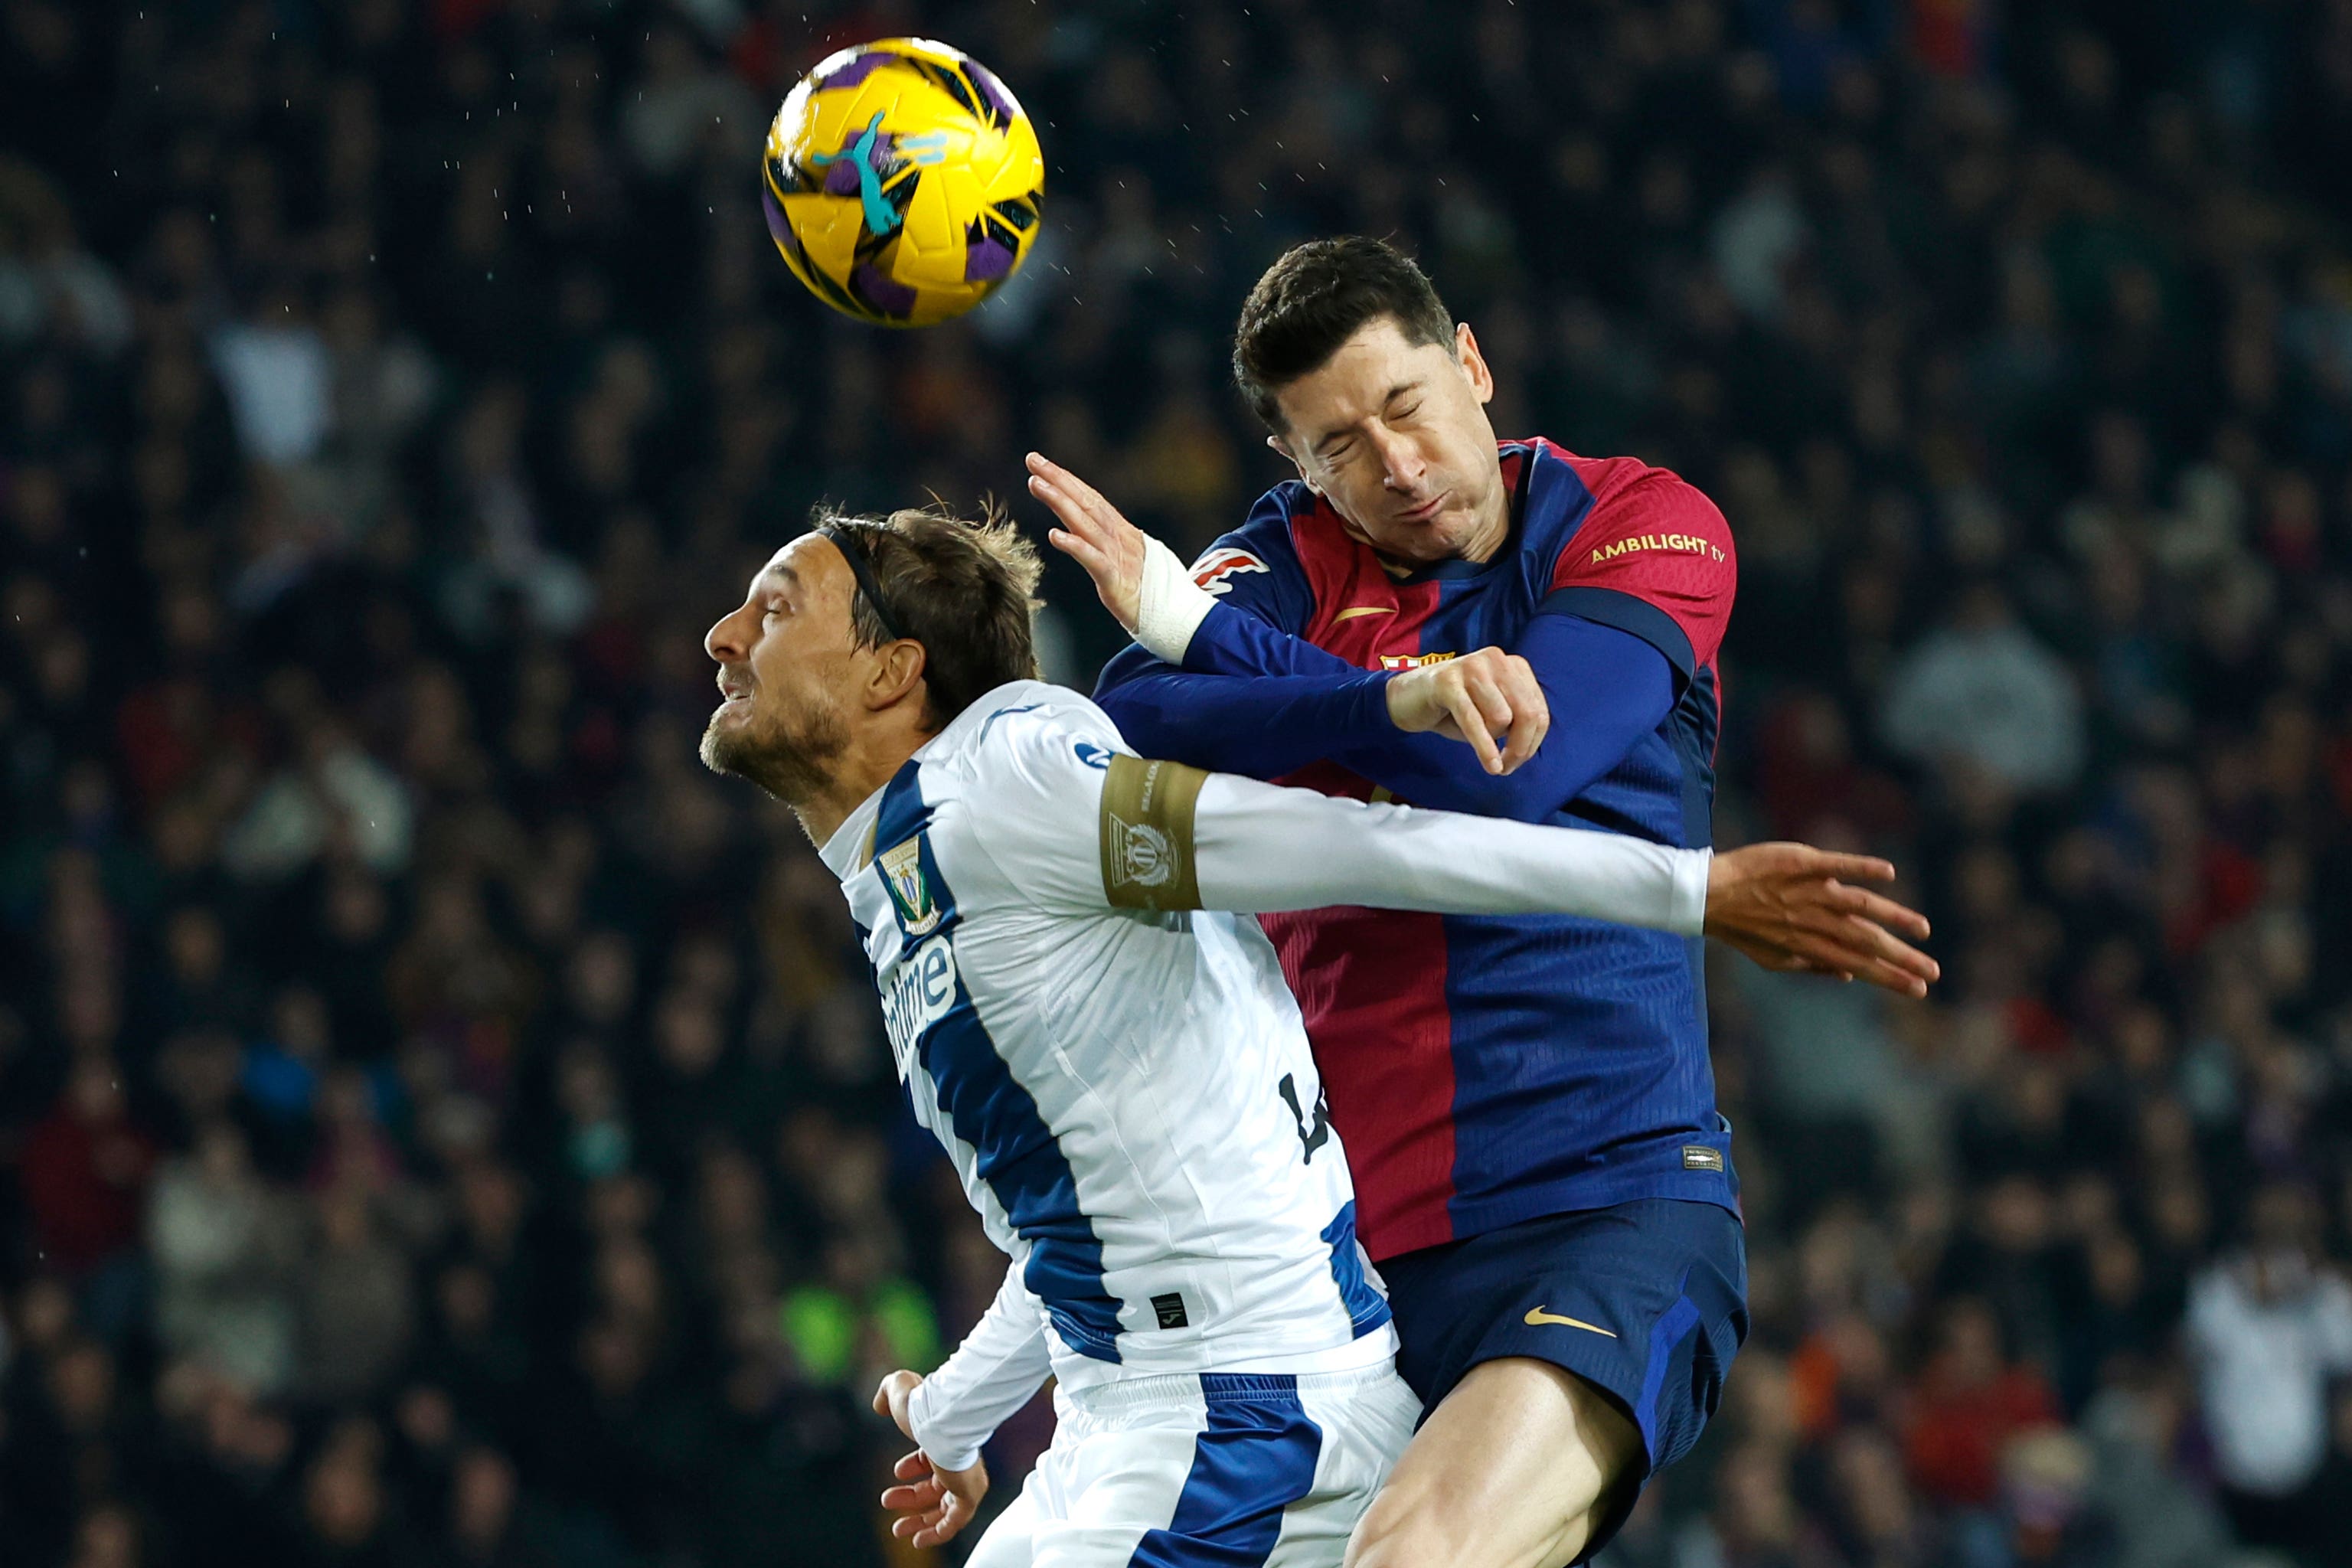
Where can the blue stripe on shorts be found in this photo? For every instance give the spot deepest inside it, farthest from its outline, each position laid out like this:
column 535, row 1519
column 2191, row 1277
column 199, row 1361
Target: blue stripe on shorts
column 1255, row 1457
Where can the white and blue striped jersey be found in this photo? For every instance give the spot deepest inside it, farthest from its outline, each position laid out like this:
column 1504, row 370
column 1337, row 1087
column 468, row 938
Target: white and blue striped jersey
column 1121, row 1077
column 1127, row 1096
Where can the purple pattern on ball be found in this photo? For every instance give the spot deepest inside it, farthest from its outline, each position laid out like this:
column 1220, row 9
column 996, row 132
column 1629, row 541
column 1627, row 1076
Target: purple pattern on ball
column 855, row 71
column 986, row 261
column 780, row 228
column 881, row 291
column 991, row 89
column 841, row 176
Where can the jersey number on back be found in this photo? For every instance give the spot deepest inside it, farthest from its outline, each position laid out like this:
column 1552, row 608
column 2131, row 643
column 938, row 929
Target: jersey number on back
column 1315, row 1137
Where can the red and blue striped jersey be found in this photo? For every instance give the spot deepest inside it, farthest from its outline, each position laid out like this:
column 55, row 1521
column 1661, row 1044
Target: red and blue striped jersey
column 1486, row 1070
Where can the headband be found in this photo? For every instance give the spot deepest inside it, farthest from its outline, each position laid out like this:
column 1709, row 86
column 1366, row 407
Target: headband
column 855, row 554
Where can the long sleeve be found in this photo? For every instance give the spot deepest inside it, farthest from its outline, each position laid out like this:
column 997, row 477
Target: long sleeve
column 1074, row 825
column 1264, row 849
column 1174, row 837
column 1000, row 1364
column 1263, row 726
column 1253, row 700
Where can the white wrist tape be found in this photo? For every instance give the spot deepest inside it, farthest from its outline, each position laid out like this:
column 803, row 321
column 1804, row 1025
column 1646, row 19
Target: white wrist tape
column 1169, row 607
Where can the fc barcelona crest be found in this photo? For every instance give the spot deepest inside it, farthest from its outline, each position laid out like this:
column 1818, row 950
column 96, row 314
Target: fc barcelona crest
column 902, row 872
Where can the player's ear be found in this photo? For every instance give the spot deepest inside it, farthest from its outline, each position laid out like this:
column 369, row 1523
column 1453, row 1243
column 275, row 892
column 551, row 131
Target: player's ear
column 898, row 671
column 1472, row 362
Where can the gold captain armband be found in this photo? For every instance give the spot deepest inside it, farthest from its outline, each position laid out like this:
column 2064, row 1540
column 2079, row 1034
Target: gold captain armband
column 1148, row 861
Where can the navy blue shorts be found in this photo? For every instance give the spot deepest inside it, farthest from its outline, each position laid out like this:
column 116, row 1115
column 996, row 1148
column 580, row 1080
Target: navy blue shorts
column 1645, row 1300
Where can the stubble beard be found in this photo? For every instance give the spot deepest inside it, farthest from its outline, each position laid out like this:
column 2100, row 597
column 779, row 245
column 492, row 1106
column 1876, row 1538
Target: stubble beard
column 789, row 756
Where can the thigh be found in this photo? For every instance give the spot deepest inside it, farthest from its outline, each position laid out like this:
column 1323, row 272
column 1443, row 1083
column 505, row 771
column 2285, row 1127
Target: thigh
column 1645, row 1300
column 1366, row 1423
column 1209, row 1487
column 1107, row 1490
column 1010, row 1540
column 1637, row 1311
column 1511, row 1470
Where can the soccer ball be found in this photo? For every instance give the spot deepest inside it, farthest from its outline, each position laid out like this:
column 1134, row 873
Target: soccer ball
column 902, row 182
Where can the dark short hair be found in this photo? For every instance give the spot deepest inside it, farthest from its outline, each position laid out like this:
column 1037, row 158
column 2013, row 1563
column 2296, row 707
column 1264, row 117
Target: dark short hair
column 966, row 590
column 1317, row 297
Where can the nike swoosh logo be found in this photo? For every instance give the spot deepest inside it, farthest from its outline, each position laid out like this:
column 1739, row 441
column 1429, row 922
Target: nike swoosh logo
column 1352, row 611
column 1537, row 1317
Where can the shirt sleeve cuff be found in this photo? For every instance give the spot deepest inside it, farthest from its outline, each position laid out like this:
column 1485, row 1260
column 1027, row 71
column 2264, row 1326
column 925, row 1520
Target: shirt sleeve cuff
column 944, row 1451
column 1688, row 910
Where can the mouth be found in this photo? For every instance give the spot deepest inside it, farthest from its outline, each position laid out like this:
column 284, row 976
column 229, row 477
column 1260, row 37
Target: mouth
column 734, row 698
column 1426, row 509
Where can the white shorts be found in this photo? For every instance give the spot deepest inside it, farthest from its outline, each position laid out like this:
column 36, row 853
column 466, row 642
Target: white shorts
column 1233, row 1470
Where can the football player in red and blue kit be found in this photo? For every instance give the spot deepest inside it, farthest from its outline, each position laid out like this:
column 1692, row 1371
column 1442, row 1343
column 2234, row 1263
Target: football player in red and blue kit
column 1541, row 1172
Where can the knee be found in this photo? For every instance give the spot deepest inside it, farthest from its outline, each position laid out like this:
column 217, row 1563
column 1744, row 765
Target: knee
column 1421, row 1530
column 1397, row 1532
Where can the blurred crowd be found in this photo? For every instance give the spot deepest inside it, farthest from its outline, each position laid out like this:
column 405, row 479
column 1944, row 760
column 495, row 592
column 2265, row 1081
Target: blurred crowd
column 441, row 1125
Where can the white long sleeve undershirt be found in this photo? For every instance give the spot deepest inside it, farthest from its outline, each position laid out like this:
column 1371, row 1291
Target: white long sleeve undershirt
column 1262, row 848
column 1000, row 1364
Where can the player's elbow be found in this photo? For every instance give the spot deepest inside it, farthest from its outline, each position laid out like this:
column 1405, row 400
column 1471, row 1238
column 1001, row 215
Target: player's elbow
column 1140, row 720
column 1393, row 1533
column 1512, row 798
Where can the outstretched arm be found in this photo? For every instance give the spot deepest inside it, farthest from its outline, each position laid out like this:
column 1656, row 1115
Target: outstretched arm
column 1074, row 823
column 1175, row 838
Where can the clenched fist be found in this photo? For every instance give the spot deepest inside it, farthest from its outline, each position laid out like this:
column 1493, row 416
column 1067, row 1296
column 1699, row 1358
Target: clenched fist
column 1479, row 697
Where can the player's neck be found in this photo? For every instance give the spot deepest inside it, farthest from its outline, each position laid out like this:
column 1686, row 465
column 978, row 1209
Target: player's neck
column 865, row 766
column 1479, row 548
column 1493, row 529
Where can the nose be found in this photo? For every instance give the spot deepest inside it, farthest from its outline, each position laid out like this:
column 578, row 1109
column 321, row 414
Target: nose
column 724, row 641
column 1401, row 463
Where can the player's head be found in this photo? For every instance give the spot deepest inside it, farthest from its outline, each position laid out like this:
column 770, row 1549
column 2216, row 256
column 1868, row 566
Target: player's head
column 1367, row 384
column 866, row 633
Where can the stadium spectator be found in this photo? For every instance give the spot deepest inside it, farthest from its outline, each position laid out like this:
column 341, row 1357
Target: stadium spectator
column 2270, row 1333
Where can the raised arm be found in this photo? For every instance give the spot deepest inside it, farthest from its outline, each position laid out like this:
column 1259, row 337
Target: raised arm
column 1214, row 682
column 1542, row 720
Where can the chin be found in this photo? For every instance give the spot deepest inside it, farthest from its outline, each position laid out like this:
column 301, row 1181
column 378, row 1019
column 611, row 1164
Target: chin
column 1434, row 539
column 715, row 747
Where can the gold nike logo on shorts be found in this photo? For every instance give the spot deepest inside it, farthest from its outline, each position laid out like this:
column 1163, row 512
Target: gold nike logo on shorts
column 1537, row 1317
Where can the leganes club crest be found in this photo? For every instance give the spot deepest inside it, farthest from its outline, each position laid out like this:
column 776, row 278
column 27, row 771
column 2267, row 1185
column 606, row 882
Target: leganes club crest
column 902, row 872
column 1139, row 853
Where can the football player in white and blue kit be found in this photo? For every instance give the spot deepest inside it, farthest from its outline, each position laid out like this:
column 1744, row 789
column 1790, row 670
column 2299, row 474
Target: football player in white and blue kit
column 1119, row 1076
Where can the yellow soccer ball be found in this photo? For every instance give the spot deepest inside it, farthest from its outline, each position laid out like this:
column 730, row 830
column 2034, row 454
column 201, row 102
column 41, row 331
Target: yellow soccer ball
column 902, row 182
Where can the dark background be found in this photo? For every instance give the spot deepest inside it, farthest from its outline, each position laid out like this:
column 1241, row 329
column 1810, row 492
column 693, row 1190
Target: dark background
column 443, row 1125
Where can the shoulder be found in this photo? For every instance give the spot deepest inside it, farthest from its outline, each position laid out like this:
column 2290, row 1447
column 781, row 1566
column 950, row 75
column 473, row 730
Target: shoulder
column 1012, row 790
column 1642, row 518
column 1649, row 550
column 1025, row 732
column 1262, row 554
column 1630, row 498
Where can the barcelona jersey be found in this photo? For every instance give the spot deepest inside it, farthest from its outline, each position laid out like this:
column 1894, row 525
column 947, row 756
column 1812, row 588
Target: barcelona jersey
column 1487, row 1070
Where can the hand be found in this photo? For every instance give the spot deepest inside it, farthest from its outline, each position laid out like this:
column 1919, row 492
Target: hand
column 934, row 1505
column 1094, row 535
column 1475, row 699
column 1791, row 907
